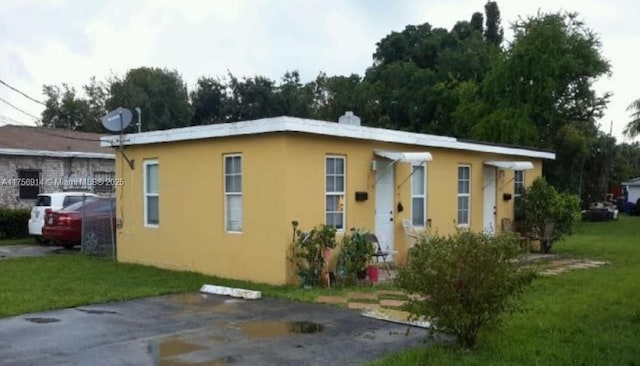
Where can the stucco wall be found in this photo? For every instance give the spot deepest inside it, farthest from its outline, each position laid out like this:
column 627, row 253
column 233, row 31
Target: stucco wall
column 191, row 234
column 53, row 172
column 283, row 180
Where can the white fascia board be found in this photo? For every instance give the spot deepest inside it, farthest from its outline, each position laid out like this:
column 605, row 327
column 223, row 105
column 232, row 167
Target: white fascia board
column 292, row 124
column 56, row 154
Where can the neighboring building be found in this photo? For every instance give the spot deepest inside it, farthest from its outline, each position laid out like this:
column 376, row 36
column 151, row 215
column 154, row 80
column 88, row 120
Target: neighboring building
column 37, row 160
column 220, row 199
column 633, row 190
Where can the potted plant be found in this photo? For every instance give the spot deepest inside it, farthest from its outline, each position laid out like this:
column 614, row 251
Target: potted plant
column 356, row 253
column 309, row 253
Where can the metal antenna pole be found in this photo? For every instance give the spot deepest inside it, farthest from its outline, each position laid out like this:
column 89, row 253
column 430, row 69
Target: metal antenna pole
column 139, row 111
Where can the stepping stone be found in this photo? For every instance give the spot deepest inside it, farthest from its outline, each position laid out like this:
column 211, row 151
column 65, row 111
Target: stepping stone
column 392, row 303
column 552, row 272
column 390, row 292
column 417, row 297
column 331, row 299
column 362, row 295
column 395, row 316
column 363, row 306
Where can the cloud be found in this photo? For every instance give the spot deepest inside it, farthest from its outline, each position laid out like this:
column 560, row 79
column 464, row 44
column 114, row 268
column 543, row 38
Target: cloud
column 55, row 41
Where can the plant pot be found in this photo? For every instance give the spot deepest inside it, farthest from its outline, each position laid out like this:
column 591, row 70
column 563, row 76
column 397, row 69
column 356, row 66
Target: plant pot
column 372, row 272
column 361, row 274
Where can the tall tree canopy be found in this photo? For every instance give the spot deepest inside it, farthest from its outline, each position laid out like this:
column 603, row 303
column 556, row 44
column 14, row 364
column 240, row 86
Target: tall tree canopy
column 161, row 95
column 464, row 82
column 65, row 109
column 633, row 127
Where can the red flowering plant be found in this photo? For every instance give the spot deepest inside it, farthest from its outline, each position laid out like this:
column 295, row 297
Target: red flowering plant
column 467, row 281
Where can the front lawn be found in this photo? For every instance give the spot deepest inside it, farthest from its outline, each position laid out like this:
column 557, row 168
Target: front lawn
column 580, row 317
column 20, row 241
column 68, row 280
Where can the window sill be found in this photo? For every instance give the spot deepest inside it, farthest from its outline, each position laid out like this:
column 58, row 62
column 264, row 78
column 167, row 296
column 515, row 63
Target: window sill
column 152, row 226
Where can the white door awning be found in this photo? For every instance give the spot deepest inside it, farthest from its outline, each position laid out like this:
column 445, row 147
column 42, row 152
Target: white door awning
column 405, row 157
column 514, row 165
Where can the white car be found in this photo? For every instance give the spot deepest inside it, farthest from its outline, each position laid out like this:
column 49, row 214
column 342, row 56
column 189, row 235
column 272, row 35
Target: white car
column 51, row 202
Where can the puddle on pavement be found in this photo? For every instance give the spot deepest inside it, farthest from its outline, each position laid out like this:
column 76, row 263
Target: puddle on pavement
column 269, row 329
column 42, row 320
column 96, row 311
column 229, row 360
column 201, row 303
column 169, row 352
column 220, row 339
column 175, row 347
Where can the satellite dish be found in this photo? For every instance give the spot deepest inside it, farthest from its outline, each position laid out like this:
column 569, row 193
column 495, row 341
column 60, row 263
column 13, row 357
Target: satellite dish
column 117, row 120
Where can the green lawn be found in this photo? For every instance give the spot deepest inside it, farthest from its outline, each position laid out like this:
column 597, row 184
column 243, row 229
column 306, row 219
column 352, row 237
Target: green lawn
column 580, row 317
column 20, row 241
column 67, row 280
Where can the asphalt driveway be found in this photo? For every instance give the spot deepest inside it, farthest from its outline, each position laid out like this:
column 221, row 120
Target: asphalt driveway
column 198, row 329
column 15, row 251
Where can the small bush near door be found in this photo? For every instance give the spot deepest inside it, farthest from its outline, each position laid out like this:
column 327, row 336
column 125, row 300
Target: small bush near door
column 308, row 253
column 14, row 223
column 466, row 281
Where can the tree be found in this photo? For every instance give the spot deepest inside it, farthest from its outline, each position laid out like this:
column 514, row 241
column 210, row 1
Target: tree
column 292, row 97
column 476, row 22
column 252, row 98
column 161, row 94
column 64, row 109
column 633, row 127
column 493, row 33
column 210, row 101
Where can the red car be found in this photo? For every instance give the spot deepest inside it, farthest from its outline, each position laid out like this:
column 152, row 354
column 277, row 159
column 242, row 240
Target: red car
column 64, row 227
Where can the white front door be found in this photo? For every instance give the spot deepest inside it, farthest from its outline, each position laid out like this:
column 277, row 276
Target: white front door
column 384, row 204
column 489, row 200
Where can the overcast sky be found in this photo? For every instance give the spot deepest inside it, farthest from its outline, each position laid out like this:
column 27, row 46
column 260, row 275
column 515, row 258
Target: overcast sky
column 56, row 41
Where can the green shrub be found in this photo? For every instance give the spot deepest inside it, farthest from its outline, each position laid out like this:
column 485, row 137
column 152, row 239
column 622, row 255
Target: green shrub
column 308, row 252
column 355, row 254
column 541, row 203
column 467, row 281
column 14, row 223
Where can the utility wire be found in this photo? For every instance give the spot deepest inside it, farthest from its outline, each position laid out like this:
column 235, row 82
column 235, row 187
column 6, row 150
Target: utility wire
column 18, row 109
column 12, row 121
column 41, row 130
column 23, row 94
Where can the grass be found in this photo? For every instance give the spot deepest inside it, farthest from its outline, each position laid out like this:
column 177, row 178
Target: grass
column 19, row 241
column 580, row 317
column 69, row 280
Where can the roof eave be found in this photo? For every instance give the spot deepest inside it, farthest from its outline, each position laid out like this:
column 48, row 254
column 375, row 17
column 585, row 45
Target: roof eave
column 56, row 154
column 290, row 124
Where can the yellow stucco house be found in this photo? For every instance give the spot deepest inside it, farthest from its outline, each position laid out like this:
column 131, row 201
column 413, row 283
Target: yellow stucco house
column 220, row 199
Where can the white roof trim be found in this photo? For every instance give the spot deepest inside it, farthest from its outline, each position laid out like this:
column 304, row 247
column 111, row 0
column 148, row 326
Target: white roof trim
column 514, row 165
column 292, row 124
column 405, row 157
column 632, row 182
column 56, row 154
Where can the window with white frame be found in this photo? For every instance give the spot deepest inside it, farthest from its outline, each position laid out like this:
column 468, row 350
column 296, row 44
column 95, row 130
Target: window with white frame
column 151, row 193
column 233, row 192
column 335, row 192
column 418, row 196
column 518, row 182
column 464, row 194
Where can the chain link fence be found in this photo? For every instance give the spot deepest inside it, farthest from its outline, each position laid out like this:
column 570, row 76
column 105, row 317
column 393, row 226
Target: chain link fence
column 98, row 226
